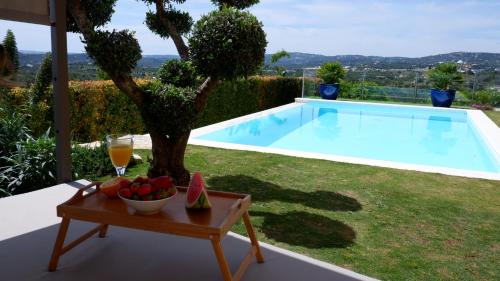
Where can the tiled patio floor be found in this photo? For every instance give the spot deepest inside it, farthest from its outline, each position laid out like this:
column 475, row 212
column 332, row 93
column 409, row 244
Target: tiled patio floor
column 28, row 227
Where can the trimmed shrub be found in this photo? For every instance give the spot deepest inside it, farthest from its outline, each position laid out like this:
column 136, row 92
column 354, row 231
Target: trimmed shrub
column 91, row 163
column 178, row 73
column 170, row 110
column 99, row 108
column 228, row 43
column 232, row 99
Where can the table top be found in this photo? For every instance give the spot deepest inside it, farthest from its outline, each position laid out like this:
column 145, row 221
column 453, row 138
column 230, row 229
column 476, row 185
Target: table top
column 174, row 218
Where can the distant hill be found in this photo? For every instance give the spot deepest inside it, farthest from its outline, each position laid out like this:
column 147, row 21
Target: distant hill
column 487, row 61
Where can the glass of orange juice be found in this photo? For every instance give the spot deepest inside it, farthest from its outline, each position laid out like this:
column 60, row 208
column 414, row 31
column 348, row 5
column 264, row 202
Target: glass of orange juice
column 120, row 149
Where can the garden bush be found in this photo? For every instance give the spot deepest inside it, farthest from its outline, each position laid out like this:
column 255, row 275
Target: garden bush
column 29, row 167
column 98, row 108
column 489, row 97
column 236, row 98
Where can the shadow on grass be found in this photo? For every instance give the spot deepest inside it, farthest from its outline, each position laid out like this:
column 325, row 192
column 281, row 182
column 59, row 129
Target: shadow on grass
column 262, row 191
column 306, row 230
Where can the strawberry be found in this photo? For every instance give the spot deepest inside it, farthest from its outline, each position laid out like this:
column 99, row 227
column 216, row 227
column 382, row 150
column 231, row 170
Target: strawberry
column 157, row 196
column 134, row 187
column 124, row 183
column 144, row 190
column 164, row 182
column 148, row 197
column 141, row 180
column 125, row 192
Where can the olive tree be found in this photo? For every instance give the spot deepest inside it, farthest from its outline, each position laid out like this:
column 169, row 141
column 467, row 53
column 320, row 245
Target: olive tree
column 225, row 44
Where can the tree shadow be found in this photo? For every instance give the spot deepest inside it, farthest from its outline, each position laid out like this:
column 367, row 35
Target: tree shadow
column 262, row 191
column 306, row 230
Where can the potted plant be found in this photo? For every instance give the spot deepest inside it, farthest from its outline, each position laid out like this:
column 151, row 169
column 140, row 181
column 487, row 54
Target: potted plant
column 445, row 80
column 330, row 73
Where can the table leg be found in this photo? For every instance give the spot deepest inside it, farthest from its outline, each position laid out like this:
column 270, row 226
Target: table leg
column 61, row 235
column 221, row 258
column 253, row 238
column 103, row 231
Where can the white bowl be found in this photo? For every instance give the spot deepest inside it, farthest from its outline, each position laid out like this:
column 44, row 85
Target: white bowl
column 147, row 207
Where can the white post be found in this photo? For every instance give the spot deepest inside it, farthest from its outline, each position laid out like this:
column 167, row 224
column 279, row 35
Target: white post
column 60, row 82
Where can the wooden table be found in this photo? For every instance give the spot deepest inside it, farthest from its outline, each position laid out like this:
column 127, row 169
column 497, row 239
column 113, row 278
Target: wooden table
column 213, row 224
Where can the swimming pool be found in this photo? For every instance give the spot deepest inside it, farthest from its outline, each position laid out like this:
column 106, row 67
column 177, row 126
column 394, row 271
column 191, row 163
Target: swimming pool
column 408, row 137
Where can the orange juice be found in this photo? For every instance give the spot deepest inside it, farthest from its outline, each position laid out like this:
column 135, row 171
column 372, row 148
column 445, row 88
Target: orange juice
column 120, row 154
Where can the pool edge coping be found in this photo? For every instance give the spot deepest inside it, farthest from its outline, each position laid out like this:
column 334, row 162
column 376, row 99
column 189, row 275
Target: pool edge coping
column 481, row 122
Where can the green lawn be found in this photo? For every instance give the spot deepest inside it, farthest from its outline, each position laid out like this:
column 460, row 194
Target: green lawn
column 386, row 223
column 494, row 115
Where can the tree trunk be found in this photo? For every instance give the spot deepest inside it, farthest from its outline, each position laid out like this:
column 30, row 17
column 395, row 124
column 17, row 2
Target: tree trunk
column 168, row 157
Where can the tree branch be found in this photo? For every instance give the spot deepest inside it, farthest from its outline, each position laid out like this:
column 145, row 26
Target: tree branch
column 202, row 94
column 123, row 81
column 181, row 46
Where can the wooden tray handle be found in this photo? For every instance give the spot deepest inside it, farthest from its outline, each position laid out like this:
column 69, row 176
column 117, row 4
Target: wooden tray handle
column 79, row 194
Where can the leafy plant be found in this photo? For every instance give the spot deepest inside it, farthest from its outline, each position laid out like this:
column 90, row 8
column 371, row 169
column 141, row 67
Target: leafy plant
column 30, row 166
column 280, row 70
column 445, row 77
column 181, row 20
column 91, row 163
column 172, row 105
column 115, row 52
column 12, row 129
column 490, row 97
column 228, row 43
column 331, row 72
column 240, row 4
column 178, row 73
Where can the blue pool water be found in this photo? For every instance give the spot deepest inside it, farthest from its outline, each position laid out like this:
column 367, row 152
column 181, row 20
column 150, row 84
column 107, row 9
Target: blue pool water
column 413, row 135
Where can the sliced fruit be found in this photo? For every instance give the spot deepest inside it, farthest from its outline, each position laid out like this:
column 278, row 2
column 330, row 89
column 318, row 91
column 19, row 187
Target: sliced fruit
column 197, row 196
column 111, row 187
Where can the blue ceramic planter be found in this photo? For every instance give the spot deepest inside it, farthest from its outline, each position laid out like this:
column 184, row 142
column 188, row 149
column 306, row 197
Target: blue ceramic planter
column 329, row 91
column 441, row 98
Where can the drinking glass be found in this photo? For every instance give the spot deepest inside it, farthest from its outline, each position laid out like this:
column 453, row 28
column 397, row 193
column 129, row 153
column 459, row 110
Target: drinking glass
column 120, row 149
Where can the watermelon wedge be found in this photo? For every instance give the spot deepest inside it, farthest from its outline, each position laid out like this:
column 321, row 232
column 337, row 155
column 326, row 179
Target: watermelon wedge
column 196, row 195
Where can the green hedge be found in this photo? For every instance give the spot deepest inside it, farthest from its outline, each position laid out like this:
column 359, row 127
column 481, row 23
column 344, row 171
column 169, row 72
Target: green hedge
column 232, row 99
column 99, row 108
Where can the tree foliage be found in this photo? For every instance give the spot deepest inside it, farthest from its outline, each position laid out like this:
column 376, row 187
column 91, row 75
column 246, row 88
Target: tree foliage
column 239, row 4
column 170, row 110
column 445, row 76
column 280, row 70
column 10, row 45
column 116, row 52
column 279, row 55
column 99, row 13
column 228, row 43
column 178, row 73
column 43, row 79
column 182, row 22
column 331, row 72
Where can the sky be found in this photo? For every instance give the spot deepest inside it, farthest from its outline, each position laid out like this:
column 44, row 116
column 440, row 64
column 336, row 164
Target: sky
column 409, row 28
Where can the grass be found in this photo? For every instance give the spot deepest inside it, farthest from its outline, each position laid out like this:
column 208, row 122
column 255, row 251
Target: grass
column 494, row 115
column 385, row 223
